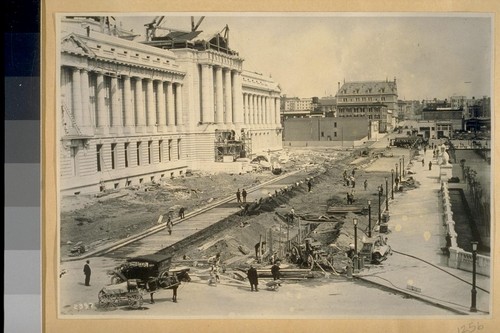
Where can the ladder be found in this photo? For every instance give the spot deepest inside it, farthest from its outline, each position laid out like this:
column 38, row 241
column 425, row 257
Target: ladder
column 70, row 116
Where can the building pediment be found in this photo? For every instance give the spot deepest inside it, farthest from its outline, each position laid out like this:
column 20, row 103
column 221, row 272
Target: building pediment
column 72, row 44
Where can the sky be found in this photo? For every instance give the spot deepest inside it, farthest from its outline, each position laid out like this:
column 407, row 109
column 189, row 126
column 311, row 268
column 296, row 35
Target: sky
column 432, row 56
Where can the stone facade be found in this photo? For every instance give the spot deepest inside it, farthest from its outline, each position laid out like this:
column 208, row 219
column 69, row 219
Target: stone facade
column 131, row 113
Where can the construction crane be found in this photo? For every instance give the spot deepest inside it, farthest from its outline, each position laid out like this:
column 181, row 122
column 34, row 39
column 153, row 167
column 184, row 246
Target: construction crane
column 159, row 20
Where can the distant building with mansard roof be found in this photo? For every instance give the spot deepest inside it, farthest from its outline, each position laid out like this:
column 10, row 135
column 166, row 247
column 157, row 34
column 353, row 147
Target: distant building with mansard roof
column 375, row 100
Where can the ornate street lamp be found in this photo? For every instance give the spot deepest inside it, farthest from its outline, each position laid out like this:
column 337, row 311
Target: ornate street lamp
column 473, row 291
column 355, row 257
column 369, row 218
column 400, row 171
column 379, row 210
column 386, row 195
column 404, row 165
column 392, row 184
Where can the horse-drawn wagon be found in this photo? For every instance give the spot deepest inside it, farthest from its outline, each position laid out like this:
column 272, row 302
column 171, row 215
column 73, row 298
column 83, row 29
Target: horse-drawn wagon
column 140, row 276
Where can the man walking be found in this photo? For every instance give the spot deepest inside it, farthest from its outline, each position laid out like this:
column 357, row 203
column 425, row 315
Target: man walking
column 275, row 271
column 253, row 278
column 181, row 212
column 169, row 225
column 430, row 165
column 365, row 184
column 244, row 195
column 238, row 196
column 423, row 163
column 309, row 185
column 87, row 271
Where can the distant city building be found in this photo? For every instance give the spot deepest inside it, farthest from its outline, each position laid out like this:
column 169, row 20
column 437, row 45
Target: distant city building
column 479, row 108
column 295, row 107
column 328, row 106
column 374, row 100
column 133, row 113
column 328, row 131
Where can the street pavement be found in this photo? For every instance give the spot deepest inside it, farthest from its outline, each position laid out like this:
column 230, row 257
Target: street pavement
column 416, row 229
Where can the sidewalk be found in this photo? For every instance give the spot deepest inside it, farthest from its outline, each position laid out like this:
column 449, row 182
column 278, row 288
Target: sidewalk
column 416, row 229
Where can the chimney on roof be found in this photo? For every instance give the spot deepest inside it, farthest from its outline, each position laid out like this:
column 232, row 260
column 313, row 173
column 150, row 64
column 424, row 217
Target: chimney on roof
column 394, row 79
column 339, row 86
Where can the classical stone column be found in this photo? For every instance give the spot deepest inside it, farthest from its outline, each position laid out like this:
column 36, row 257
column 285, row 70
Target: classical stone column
column 228, row 88
column 207, row 94
column 219, row 95
column 76, row 92
column 178, row 104
column 116, row 114
column 251, row 114
column 266, row 109
column 102, row 112
column 260, row 111
column 237, row 96
column 139, row 106
column 272, row 107
column 245, row 109
column 278, row 111
column 86, row 119
column 128, row 111
column 150, row 106
column 160, row 108
column 170, row 107
column 254, row 109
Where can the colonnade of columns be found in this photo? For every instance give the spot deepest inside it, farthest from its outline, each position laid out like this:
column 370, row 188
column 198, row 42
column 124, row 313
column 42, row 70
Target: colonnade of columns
column 125, row 104
column 221, row 95
column 261, row 109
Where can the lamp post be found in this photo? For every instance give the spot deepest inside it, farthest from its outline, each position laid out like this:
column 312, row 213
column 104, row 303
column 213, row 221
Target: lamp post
column 403, row 165
column 355, row 222
column 386, row 195
column 400, row 171
column 355, row 257
column 392, row 184
column 473, row 291
column 379, row 195
column 369, row 219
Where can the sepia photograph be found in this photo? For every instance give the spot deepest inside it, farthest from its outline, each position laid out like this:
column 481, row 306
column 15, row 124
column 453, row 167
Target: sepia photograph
column 274, row 165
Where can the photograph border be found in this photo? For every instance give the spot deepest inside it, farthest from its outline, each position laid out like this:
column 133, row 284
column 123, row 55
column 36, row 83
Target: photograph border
column 49, row 48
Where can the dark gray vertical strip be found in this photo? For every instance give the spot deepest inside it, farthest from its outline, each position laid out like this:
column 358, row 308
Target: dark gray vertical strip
column 21, row 54
column 22, row 141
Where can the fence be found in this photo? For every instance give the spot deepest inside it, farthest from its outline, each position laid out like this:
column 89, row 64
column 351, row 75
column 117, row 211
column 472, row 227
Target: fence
column 279, row 241
column 458, row 258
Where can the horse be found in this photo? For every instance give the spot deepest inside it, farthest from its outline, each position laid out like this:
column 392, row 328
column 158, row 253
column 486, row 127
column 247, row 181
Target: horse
column 173, row 281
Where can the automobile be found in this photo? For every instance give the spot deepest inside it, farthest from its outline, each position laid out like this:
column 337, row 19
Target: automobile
column 375, row 249
column 145, row 268
column 139, row 276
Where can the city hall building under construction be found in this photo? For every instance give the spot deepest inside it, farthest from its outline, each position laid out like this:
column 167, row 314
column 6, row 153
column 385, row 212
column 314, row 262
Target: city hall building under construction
column 135, row 112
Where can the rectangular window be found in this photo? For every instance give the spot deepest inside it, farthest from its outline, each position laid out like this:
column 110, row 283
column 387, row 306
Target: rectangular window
column 127, row 144
column 322, row 134
column 139, row 153
column 160, row 151
column 74, row 163
column 335, row 134
column 335, row 124
column 178, row 149
column 150, row 146
column 99, row 157
column 113, row 155
column 170, row 149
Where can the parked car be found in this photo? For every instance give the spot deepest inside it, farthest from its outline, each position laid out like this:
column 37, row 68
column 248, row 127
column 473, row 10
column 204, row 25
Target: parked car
column 375, row 249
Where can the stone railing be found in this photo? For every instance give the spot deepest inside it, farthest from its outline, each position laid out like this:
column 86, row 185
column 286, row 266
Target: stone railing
column 458, row 258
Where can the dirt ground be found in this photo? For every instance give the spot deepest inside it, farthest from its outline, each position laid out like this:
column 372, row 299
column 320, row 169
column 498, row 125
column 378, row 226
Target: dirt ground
column 93, row 220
